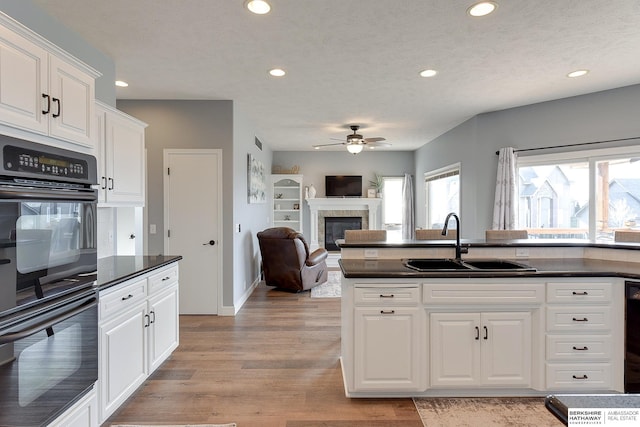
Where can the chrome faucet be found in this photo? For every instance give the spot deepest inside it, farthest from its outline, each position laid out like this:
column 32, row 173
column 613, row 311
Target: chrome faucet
column 459, row 250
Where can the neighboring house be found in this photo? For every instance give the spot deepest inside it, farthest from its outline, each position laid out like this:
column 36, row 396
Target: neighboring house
column 541, row 198
column 624, row 204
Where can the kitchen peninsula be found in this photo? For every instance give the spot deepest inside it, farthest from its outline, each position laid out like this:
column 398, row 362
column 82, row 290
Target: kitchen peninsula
column 555, row 328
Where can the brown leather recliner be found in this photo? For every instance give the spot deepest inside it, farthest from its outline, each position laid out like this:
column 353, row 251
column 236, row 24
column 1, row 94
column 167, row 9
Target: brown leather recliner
column 286, row 261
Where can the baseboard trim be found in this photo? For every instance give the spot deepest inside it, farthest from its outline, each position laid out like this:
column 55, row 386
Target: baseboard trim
column 237, row 305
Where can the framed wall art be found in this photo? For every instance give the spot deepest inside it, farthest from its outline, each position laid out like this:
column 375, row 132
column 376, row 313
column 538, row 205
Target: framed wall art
column 256, row 180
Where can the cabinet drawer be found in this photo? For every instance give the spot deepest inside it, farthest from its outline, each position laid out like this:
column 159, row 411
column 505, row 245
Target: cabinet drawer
column 389, row 295
column 578, row 318
column 579, row 292
column 162, row 279
column 593, row 376
column 482, row 293
column 578, row 347
column 114, row 301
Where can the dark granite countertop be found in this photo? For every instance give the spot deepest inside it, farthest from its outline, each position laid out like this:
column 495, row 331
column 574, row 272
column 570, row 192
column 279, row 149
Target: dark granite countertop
column 479, row 243
column 117, row 269
column 559, row 404
column 394, row 268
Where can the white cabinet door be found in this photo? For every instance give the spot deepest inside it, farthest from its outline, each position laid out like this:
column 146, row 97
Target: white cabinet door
column 480, row 349
column 506, row 348
column 163, row 329
column 122, row 358
column 387, row 349
column 23, row 81
column 72, row 102
column 84, row 413
column 455, row 349
column 120, row 156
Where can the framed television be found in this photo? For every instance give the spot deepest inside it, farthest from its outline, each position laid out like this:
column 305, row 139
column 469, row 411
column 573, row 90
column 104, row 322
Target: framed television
column 343, row 185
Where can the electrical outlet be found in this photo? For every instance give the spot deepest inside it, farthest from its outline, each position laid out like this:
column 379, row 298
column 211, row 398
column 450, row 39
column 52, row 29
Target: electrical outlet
column 522, row 252
column 152, row 229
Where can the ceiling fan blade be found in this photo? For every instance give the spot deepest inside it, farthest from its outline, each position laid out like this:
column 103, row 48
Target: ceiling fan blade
column 337, row 139
column 378, row 144
column 328, row 145
column 376, row 139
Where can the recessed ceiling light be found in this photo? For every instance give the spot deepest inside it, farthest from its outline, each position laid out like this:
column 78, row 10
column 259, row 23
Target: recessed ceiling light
column 277, row 72
column 259, row 7
column 428, row 73
column 482, row 9
column 121, row 83
column 578, row 73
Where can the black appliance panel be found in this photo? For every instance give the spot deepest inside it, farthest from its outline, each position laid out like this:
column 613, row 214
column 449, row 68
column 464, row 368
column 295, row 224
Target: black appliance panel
column 48, row 358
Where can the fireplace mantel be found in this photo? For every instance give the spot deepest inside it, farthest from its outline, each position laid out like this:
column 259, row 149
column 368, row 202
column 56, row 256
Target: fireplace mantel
column 372, row 205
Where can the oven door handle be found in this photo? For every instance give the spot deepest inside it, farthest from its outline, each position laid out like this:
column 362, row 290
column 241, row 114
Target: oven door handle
column 7, row 192
column 15, row 336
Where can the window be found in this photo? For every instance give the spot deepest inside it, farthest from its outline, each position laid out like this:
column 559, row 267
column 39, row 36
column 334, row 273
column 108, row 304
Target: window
column 442, row 188
column 580, row 194
column 392, row 205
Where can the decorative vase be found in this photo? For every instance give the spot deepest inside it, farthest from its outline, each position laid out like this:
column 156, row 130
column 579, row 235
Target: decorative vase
column 312, row 191
column 306, row 192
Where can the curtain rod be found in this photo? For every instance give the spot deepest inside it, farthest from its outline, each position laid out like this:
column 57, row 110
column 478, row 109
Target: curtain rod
column 573, row 145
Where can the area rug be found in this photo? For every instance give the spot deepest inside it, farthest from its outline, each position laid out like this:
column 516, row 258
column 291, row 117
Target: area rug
column 485, row 412
column 330, row 288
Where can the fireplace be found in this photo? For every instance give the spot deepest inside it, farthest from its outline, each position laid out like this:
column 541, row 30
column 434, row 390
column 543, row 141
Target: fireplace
column 368, row 209
column 334, row 228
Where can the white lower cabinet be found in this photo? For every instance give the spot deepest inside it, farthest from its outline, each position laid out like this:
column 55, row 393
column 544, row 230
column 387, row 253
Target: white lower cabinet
column 387, row 346
column 83, row 414
column 482, row 336
column 138, row 331
column 584, row 342
column 480, row 349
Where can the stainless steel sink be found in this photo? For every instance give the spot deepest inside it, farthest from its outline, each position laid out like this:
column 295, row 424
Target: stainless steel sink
column 497, row 264
column 435, row 264
column 450, row 264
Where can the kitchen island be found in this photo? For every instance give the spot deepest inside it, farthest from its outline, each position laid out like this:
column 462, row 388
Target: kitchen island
column 558, row 329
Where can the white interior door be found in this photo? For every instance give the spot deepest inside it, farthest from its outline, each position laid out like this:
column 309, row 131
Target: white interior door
column 193, row 218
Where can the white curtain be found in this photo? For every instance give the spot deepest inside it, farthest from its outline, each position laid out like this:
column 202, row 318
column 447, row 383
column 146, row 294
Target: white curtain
column 506, row 199
column 408, row 222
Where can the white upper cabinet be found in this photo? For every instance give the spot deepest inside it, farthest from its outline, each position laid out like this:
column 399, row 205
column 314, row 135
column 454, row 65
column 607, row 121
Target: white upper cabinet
column 42, row 89
column 121, row 158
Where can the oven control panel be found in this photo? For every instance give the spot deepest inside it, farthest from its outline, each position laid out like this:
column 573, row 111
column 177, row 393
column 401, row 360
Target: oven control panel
column 20, row 159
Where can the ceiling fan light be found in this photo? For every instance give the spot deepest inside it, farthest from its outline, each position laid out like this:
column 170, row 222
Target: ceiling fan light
column 354, row 148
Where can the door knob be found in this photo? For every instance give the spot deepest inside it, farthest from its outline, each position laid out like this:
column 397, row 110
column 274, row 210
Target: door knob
column 211, row 242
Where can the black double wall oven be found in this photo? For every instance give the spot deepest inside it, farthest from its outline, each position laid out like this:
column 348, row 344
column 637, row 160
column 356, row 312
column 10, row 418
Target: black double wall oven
column 48, row 297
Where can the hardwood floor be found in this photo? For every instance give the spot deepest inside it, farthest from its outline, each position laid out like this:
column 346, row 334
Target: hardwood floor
column 275, row 364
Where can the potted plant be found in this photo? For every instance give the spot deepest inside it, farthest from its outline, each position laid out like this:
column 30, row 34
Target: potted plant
column 377, row 184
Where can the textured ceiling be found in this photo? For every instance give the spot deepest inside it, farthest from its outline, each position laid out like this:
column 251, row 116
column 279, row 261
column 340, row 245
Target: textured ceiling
column 357, row 61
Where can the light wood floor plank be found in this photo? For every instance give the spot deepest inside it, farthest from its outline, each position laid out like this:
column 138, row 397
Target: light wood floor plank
column 275, row 364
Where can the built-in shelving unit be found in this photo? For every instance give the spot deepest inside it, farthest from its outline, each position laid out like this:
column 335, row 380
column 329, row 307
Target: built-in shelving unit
column 287, row 201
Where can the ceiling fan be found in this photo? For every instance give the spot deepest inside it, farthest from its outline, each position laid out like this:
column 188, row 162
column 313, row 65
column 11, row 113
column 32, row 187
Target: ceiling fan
column 355, row 142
